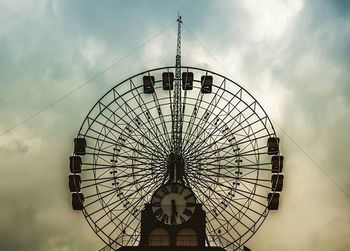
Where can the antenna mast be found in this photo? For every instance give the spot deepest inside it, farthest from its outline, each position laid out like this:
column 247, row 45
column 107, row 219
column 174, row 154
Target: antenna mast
column 177, row 118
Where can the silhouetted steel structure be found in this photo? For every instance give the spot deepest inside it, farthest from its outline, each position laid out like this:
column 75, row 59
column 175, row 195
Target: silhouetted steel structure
column 176, row 156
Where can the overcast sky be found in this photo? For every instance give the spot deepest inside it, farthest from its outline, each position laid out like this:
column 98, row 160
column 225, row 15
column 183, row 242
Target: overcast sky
column 292, row 55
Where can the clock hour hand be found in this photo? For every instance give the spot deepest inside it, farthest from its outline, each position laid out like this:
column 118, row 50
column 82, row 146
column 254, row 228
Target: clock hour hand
column 173, row 212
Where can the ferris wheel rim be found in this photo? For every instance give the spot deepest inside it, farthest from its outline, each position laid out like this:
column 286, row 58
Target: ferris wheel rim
column 86, row 213
column 182, row 67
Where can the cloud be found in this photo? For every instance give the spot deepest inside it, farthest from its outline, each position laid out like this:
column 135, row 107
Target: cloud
column 292, row 56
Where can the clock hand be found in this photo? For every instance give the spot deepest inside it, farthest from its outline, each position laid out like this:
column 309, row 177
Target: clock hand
column 173, row 211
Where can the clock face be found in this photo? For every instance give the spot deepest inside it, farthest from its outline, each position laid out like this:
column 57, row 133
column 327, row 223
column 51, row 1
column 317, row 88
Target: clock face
column 173, row 203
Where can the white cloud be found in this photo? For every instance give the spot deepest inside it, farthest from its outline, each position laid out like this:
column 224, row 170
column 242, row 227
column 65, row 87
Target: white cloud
column 271, row 19
column 275, row 48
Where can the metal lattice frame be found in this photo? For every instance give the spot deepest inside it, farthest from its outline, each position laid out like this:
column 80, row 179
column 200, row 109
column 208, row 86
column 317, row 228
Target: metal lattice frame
column 224, row 146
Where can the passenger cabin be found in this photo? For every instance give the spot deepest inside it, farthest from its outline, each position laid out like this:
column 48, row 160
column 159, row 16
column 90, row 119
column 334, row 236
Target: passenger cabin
column 74, row 182
column 79, row 146
column 75, row 164
column 78, row 201
column 168, row 80
column 277, row 164
column 273, row 145
column 206, row 84
column 187, row 80
column 277, row 182
column 148, row 84
column 273, row 201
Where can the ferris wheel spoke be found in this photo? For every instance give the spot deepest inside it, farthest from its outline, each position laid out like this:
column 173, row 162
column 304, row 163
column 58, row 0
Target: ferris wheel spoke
column 97, row 166
column 139, row 164
column 139, row 172
column 102, row 182
column 228, row 155
column 109, row 153
column 215, row 122
column 140, row 101
column 214, row 166
column 142, row 153
column 96, row 182
column 129, row 152
column 243, row 193
column 137, row 202
column 161, row 117
column 216, row 220
column 123, row 138
column 118, row 203
column 221, row 129
column 209, row 200
column 242, row 153
column 127, row 224
column 251, row 190
column 192, row 119
column 123, row 159
column 135, row 182
column 242, row 179
column 253, row 179
column 141, row 199
column 133, row 128
column 138, row 159
column 209, row 110
column 137, row 167
column 224, row 128
column 220, row 146
column 224, row 199
column 90, row 203
column 182, row 115
column 143, row 106
column 145, row 168
column 129, row 241
column 216, row 172
column 103, row 172
column 247, row 194
column 237, row 143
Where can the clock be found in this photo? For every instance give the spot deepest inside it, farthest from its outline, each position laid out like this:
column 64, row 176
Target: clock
column 173, row 203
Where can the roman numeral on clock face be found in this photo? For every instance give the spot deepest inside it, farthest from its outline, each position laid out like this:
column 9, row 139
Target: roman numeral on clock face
column 182, row 189
column 187, row 212
column 156, row 204
column 182, row 219
column 164, row 218
column 190, row 204
column 158, row 212
column 165, row 191
column 188, row 196
column 173, row 203
column 174, row 188
column 158, row 196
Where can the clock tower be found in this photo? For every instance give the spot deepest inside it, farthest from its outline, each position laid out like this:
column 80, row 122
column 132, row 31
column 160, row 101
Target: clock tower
column 163, row 236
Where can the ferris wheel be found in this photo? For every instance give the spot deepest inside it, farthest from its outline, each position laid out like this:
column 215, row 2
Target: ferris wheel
column 183, row 135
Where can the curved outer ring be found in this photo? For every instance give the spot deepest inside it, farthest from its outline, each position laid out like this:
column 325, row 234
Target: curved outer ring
column 80, row 134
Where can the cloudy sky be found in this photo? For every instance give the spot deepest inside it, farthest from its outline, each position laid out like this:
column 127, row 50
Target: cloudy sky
column 292, row 55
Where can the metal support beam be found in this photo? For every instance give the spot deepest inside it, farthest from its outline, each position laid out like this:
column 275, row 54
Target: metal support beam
column 176, row 115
